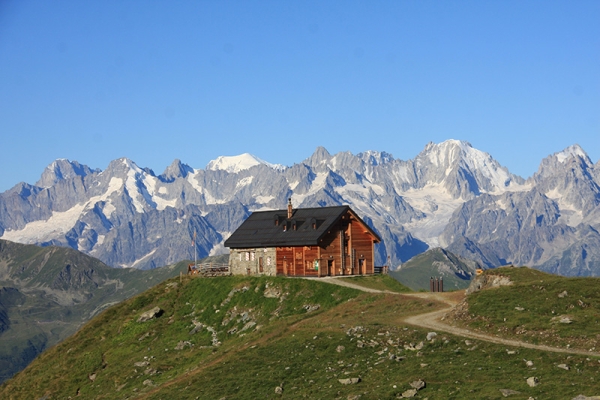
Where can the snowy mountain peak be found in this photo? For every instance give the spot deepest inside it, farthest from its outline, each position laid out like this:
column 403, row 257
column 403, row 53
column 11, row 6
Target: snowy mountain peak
column 235, row 164
column 452, row 152
column 449, row 152
column 375, row 157
column 572, row 151
column 62, row 169
column 456, row 161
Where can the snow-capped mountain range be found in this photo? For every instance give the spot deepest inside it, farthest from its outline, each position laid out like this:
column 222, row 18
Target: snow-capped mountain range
column 449, row 195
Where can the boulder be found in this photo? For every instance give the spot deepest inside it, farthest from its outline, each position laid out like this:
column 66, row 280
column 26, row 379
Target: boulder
column 151, row 314
column 182, row 344
column 532, row 381
column 409, row 393
column 508, row 392
column 311, row 307
column 418, row 385
column 141, row 364
column 349, row 381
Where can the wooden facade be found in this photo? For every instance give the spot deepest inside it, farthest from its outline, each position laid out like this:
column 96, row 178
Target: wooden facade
column 329, row 241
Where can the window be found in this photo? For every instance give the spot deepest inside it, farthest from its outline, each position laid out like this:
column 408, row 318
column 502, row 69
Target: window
column 247, row 256
column 252, row 256
column 269, row 260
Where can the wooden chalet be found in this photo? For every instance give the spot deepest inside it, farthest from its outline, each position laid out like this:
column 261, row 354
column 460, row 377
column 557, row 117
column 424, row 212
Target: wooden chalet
column 325, row 241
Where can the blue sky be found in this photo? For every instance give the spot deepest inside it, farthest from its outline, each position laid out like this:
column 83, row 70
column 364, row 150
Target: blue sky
column 153, row 81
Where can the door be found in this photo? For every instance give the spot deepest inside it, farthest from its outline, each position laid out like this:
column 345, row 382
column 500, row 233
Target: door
column 260, row 265
column 330, row 267
column 362, row 267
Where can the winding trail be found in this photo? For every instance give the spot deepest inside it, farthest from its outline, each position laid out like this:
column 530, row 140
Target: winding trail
column 433, row 320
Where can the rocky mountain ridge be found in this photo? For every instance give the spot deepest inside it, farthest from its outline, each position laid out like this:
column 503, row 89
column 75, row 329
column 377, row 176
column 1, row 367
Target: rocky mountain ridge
column 450, row 195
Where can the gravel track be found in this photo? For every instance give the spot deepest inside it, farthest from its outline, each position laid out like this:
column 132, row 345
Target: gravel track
column 433, row 320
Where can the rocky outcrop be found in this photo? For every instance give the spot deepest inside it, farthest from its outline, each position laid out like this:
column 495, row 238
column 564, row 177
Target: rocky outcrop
column 488, row 281
column 150, row 314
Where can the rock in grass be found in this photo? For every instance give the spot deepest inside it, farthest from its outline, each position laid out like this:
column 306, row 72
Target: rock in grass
column 418, row 385
column 182, row 344
column 141, row 364
column 349, row 381
column 409, row 393
column 532, row 381
column 278, row 390
column 508, row 392
column 148, row 315
column 564, row 366
column 431, row 335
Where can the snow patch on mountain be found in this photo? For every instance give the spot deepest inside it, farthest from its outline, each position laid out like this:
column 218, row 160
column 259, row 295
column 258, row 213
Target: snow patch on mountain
column 45, row 230
column 571, row 151
column 569, row 214
column 244, row 182
column 264, row 199
column 438, row 205
column 191, row 178
column 317, row 184
column 139, row 260
column 150, row 183
column 235, row 164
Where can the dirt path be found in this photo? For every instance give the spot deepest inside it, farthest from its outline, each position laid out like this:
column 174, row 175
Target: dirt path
column 433, row 320
column 340, row 281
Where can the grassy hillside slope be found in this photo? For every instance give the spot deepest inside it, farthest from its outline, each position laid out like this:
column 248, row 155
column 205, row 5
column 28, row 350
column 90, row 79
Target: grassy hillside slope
column 46, row 293
column 266, row 337
column 536, row 307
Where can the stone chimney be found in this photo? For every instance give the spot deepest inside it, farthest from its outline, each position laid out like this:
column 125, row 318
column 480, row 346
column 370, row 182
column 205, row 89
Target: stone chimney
column 290, row 210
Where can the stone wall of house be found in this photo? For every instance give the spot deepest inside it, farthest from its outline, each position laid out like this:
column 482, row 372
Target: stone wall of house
column 259, row 261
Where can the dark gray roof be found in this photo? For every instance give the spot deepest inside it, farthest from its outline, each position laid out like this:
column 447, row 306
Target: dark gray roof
column 260, row 230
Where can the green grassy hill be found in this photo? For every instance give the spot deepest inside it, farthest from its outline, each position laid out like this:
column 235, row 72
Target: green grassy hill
column 270, row 337
column 454, row 270
column 536, row 307
column 47, row 293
